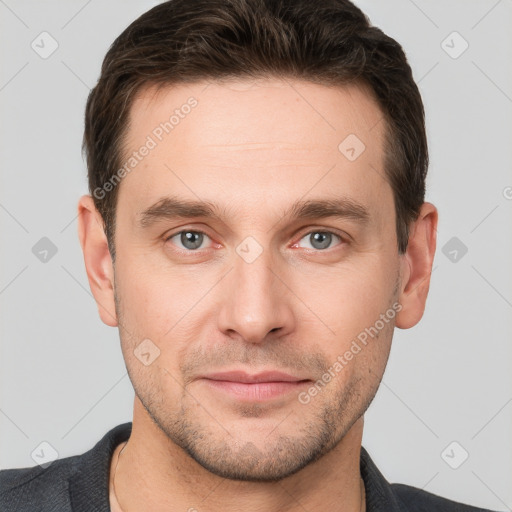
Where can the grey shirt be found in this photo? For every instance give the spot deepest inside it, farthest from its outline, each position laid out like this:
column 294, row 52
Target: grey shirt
column 81, row 484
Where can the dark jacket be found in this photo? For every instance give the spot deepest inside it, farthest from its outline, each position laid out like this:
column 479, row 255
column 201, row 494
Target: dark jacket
column 80, row 484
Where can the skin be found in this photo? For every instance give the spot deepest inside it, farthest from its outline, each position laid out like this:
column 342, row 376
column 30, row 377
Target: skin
column 253, row 147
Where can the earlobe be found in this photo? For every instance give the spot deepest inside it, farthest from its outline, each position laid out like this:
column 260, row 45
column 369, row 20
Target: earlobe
column 97, row 259
column 417, row 267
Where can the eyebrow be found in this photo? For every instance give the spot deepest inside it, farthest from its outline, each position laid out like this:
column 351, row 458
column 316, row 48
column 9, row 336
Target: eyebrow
column 170, row 208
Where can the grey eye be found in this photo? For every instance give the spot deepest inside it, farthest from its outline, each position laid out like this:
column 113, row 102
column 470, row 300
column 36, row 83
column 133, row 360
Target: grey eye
column 320, row 239
column 190, row 240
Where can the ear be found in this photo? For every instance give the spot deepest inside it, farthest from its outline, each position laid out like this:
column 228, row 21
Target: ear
column 98, row 263
column 416, row 267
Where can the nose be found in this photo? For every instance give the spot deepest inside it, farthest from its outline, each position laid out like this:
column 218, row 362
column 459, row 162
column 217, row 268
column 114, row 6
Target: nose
column 256, row 302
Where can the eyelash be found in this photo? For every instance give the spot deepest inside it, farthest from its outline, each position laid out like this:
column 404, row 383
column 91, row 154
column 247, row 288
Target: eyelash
column 342, row 239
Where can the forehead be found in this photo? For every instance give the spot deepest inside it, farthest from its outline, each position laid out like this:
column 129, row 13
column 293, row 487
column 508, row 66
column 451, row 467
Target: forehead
column 264, row 136
column 260, row 110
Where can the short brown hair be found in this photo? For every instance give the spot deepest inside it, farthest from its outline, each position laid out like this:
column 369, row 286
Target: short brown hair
column 328, row 42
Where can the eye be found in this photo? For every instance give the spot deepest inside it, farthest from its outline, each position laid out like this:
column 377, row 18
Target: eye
column 320, row 240
column 189, row 240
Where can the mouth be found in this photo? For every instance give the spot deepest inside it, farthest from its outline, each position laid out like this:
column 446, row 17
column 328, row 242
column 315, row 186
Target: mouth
column 258, row 387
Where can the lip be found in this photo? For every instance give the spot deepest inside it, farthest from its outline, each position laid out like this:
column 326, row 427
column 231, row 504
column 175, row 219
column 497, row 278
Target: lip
column 247, row 378
column 258, row 387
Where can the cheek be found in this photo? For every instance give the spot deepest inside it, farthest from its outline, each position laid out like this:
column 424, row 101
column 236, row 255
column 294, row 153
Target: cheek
column 351, row 302
column 153, row 302
column 347, row 299
column 165, row 309
column 151, row 338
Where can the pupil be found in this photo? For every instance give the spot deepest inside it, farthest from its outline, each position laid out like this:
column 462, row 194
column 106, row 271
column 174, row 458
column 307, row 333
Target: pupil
column 191, row 239
column 320, row 240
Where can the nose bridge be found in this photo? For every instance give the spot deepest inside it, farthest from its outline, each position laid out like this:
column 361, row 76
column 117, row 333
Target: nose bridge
column 255, row 302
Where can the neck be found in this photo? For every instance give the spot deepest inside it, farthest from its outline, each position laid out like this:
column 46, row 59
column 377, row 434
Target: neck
column 155, row 474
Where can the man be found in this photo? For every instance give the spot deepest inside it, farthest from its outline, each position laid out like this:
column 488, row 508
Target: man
column 256, row 230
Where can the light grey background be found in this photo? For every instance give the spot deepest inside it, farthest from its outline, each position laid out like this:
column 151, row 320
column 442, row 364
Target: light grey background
column 449, row 379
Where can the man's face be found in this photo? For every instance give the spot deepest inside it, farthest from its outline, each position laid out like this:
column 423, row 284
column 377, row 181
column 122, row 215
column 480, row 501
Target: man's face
column 256, row 288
